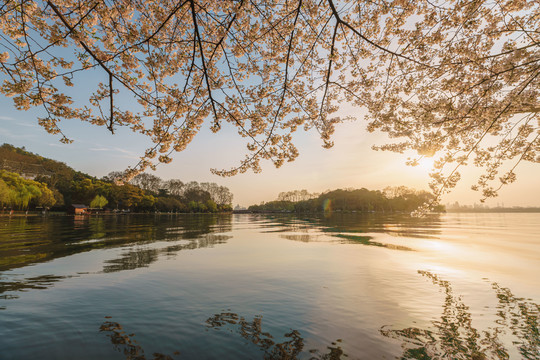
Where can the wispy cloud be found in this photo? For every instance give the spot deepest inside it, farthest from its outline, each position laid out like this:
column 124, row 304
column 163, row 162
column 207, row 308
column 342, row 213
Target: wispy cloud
column 27, row 125
column 101, row 148
column 4, row 133
column 17, row 121
column 115, row 151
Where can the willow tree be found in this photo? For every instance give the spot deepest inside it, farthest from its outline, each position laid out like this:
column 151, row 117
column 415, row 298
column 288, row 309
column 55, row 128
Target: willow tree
column 5, row 194
column 457, row 78
column 16, row 191
column 99, row 201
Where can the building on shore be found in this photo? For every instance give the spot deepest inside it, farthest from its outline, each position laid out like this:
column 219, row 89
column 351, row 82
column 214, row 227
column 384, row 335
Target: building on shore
column 78, row 209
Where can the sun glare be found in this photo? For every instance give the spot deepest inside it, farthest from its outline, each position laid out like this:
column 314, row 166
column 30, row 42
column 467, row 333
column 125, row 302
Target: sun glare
column 425, row 164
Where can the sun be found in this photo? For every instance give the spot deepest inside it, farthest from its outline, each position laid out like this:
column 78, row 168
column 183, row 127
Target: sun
column 426, row 163
column 423, row 164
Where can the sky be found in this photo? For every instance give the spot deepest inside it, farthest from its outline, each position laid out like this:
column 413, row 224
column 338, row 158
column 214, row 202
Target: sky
column 351, row 163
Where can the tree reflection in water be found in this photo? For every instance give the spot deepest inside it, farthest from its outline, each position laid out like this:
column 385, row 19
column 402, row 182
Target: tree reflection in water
column 454, row 337
column 402, row 225
column 144, row 256
column 36, row 282
column 30, row 240
column 287, row 350
column 126, row 344
column 291, row 349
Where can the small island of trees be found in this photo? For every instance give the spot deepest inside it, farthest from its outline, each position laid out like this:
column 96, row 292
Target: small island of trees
column 391, row 199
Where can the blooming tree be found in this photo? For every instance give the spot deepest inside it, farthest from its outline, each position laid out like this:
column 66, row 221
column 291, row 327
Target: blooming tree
column 457, row 79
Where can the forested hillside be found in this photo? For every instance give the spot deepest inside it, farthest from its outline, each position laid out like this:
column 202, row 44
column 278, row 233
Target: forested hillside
column 30, row 181
column 19, row 160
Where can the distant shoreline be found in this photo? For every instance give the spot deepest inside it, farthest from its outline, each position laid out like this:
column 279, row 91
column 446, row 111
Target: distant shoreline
column 63, row 213
column 497, row 210
column 237, row 212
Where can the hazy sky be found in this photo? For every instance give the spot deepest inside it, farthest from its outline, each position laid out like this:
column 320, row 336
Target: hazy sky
column 350, row 163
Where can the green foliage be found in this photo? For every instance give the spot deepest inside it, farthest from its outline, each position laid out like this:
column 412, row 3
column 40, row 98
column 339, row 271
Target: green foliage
column 168, row 204
column 58, row 198
column 58, row 185
column 147, row 202
column 350, row 200
column 211, row 206
column 5, row 193
column 17, row 192
column 197, row 195
column 19, row 160
column 99, row 202
column 47, row 197
column 225, row 207
column 274, row 206
column 193, row 206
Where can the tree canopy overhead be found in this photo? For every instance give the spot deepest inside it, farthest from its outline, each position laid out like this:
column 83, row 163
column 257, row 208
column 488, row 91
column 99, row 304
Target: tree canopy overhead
column 457, row 78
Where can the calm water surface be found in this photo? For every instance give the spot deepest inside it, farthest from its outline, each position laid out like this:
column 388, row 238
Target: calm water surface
column 456, row 286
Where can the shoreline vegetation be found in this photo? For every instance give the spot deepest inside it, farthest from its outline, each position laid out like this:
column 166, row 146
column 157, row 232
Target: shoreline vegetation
column 22, row 213
column 31, row 182
column 400, row 199
column 33, row 185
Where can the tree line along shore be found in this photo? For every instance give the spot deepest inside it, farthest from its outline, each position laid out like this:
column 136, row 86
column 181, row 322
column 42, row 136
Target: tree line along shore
column 391, row 199
column 29, row 182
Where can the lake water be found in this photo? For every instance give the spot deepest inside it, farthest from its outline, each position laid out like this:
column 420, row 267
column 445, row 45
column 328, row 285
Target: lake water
column 345, row 286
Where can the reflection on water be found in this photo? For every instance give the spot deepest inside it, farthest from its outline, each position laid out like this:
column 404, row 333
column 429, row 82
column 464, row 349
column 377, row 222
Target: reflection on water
column 252, row 331
column 25, row 284
column 367, row 240
column 126, row 343
column 521, row 318
column 290, row 349
column 344, row 239
column 28, row 240
column 394, row 224
column 306, row 238
column 454, row 337
column 315, row 279
column 346, row 226
column 143, row 256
